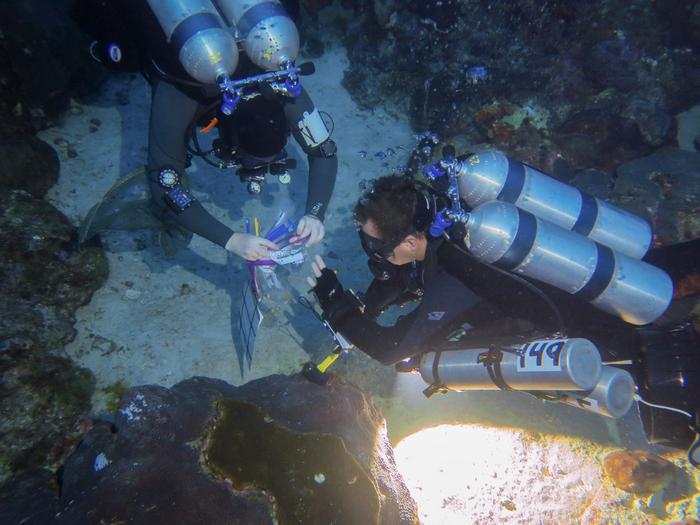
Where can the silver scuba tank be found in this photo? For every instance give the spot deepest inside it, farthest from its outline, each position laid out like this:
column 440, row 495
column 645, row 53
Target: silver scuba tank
column 545, row 364
column 612, row 396
column 491, row 175
column 516, row 240
column 205, row 48
column 270, row 37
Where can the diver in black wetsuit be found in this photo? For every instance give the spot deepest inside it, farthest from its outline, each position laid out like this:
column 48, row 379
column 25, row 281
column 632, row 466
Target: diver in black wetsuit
column 261, row 137
column 410, row 265
column 461, row 297
column 252, row 137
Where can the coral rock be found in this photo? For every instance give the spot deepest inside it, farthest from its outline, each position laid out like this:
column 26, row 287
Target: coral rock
column 276, row 450
column 637, row 471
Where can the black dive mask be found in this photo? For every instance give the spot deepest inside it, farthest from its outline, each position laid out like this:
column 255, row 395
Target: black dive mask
column 376, row 249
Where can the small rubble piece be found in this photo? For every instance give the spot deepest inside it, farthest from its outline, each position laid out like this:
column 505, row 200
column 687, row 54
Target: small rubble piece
column 638, row 471
column 132, row 294
column 101, row 462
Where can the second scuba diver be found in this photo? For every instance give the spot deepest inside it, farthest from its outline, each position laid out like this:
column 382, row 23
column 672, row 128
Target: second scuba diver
column 461, row 298
column 190, row 58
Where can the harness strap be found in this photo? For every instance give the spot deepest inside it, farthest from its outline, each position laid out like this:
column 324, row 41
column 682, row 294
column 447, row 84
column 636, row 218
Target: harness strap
column 437, row 384
column 492, row 361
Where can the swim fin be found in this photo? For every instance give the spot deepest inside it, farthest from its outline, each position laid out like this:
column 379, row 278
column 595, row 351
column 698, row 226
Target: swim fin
column 127, row 206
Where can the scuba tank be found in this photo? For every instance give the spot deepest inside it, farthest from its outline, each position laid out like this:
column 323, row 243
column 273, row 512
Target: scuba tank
column 491, row 176
column 515, row 240
column 544, row 364
column 206, row 50
column 612, row 396
column 270, row 37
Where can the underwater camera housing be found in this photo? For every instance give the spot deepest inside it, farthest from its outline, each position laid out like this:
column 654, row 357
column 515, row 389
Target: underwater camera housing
column 251, row 170
column 669, row 367
column 254, row 174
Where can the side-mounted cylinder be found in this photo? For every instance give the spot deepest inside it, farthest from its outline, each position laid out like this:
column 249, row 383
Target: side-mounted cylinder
column 546, row 364
column 612, row 396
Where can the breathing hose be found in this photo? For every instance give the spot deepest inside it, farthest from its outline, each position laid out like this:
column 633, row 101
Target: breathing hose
column 525, row 282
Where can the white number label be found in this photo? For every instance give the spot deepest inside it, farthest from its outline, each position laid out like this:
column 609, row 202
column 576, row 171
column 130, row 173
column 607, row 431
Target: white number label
column 540, row 356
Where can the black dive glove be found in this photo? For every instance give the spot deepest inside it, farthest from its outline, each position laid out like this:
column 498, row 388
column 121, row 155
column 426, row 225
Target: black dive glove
column 334, row 300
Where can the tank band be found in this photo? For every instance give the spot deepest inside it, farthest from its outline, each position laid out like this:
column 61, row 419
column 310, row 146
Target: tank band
column 602, row 275
column 257, row 14
column 587, row 216
column 515, row 180
column 492, row 361
column 522, row 244
column 191, row 26
column 436, row 368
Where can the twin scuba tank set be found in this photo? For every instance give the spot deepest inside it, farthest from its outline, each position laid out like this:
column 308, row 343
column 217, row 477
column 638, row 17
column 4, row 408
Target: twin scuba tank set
column 525, row 222
column 206, row 35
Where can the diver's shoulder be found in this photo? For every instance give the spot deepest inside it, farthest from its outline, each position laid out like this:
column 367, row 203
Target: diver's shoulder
column 449, row 250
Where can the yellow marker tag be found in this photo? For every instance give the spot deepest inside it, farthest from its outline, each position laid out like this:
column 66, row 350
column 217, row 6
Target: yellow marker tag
column 474, row 160
column 256, row 225
column 215, row 57
column 327, row 362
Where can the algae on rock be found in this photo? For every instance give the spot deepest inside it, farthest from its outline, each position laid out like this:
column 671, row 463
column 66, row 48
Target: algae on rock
column 311, row 476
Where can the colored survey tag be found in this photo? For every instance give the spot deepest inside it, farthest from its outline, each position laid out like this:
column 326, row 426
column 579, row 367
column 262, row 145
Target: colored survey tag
column 288, row 255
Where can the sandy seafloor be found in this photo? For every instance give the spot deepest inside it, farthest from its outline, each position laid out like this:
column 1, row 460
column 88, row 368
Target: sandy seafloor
column 160, row 320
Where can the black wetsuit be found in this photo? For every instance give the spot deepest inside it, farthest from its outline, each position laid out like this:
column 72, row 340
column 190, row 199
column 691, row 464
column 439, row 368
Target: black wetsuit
column 173, row 111
column 453, row 289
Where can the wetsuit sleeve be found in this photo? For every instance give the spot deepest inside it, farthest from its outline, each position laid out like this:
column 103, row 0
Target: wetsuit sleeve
column 445, row 305
column 323, row 166
column 380, row 294
column 171, row 113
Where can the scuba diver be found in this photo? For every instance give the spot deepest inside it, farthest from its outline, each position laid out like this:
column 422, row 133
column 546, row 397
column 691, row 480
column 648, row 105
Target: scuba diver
column 189, row 53
column 509, row 300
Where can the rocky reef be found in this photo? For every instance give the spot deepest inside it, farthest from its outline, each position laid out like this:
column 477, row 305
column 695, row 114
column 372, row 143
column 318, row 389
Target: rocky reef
column 638, row 471
column 276, row 450
column 44, row 278
column 563, row 86
column 598, row 83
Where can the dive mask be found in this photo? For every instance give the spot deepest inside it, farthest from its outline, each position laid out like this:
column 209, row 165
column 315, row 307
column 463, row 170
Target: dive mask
column 376, row 249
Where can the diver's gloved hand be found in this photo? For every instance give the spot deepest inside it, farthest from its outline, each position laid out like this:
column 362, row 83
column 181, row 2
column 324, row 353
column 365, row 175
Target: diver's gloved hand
column 335, row 302
column 249, row 246
column 311, row 227
column 325, row 284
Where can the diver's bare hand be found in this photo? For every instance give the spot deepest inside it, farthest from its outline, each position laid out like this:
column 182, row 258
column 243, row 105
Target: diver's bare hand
column 311, row 227
column 317, row 265
column 249, row 246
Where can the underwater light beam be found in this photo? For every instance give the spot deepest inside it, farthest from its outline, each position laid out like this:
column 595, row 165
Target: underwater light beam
column 463, row 474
